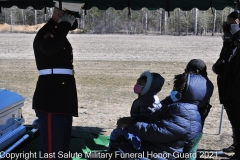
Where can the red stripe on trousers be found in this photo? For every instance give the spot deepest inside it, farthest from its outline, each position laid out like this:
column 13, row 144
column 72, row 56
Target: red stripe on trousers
column 49, row 134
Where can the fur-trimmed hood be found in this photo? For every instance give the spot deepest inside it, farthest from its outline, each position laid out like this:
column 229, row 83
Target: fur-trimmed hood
column 148, row 101
column 154, row 83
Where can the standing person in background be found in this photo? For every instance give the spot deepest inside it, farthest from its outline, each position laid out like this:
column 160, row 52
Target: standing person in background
column 232, row 88
column 220, row 67
column 55, row 97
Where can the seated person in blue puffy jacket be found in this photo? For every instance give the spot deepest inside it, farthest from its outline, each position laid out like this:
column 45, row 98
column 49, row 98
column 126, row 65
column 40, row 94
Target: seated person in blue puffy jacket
column 172, row 127
column 197, row 66
column 146, row 87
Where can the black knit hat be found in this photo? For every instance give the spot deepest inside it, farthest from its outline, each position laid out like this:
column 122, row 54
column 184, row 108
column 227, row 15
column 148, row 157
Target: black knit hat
column 197, row 64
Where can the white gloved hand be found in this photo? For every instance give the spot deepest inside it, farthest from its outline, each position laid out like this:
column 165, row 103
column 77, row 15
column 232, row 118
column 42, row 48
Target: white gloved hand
column 67, row 18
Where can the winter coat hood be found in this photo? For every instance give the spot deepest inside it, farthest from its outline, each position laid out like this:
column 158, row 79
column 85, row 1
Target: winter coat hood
column 148, row 101
column 196, row 90
column 154, row 83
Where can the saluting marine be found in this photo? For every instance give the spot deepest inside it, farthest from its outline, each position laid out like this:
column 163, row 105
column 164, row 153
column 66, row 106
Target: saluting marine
column 55, row 97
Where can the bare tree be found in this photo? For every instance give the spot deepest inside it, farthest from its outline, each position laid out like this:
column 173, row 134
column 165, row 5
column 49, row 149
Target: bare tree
column 186, row 14
column 146, row 22
column 205, row 23
column 35, row 17
column 145, row 19
column 23, row 17
column 50, row 12
column 83, row 20
column 214, row 22
column 160, row 20
column 5, row 15
column 140, row 22
column 11, row 16
column 195, row 20
column 165, row 21
column 105, row 20
column 222, row 17
column 179, row 32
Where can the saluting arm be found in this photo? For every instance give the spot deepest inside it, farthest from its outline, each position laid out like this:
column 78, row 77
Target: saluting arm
column 51, row 43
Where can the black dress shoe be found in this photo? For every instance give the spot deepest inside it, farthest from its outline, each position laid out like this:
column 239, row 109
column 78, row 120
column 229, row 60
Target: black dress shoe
column 229, row 149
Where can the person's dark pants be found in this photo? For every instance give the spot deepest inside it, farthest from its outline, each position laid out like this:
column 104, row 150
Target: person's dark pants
column 55, row 132
column 234, row 115
column 228, row 111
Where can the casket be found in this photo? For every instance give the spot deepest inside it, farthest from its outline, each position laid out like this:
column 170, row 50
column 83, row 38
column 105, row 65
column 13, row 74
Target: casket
column 11, row 120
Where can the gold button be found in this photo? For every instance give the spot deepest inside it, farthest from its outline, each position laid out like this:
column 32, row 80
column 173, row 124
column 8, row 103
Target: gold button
column 64, row 48
column 62, row 83
column 55, row 26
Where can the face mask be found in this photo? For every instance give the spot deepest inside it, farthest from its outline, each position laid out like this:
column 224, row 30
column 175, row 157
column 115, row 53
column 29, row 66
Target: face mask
column 137, row 89
column 173, row 95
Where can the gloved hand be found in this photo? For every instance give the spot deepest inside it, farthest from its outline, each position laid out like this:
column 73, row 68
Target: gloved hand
column 67, row 18
column 124, row 121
